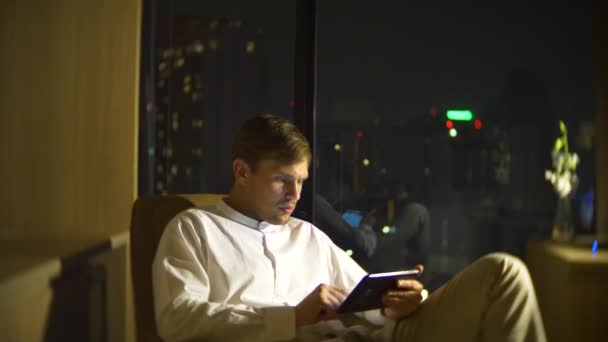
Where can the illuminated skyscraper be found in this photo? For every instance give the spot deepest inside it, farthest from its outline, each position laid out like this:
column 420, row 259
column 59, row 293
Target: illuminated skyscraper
column 209, row 77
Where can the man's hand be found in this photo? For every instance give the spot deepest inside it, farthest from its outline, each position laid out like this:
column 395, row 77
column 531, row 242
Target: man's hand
column 320, row 305
column 369, row 220
column 404, row 300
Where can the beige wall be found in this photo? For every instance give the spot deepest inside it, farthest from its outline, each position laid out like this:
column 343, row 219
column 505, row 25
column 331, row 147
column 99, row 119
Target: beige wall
column 69, row 79
column 68, row 110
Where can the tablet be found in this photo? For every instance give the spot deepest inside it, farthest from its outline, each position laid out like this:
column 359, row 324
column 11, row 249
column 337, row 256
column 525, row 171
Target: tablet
column 367, row 295
column 353, row 217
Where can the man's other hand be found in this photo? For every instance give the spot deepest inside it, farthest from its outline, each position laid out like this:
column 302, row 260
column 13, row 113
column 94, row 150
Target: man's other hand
column 405, row 299
column 369, row 220
column 320, row 305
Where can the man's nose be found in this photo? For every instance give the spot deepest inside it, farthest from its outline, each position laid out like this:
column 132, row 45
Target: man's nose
column 293, row 190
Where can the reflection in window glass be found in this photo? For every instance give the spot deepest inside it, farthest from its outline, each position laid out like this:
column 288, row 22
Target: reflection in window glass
column 445, row 190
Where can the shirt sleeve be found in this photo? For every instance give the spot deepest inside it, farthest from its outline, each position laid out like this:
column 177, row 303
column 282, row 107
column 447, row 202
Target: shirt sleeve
column 346, row 274
column 181, row 292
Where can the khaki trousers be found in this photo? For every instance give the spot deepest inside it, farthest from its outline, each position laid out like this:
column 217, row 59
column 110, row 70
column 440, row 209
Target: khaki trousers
column 493, row 299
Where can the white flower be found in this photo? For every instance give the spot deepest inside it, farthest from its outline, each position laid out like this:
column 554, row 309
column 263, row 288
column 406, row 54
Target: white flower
column 573, row 161
column 564, row 185
column 563, row 176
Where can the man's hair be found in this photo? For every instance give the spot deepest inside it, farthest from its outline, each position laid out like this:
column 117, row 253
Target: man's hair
column 270, row 137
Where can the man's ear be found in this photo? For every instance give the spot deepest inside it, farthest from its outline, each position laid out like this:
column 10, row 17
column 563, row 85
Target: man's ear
column 241, row 170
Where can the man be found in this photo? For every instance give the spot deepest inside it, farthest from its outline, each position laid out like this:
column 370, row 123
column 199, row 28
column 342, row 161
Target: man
column 245, row 270
column 362, row 239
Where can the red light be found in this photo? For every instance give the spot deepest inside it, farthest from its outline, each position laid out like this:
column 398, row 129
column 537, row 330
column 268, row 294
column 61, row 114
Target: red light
column 477, row 124
column 434, row 112
column 449, row 124
column 359, row 134
column 292, row 104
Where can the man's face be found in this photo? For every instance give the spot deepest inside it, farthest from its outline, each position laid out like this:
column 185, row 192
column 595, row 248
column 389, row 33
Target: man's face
column 274, row 189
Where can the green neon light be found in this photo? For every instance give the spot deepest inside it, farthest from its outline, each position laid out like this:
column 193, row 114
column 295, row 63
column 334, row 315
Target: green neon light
column 460, row 115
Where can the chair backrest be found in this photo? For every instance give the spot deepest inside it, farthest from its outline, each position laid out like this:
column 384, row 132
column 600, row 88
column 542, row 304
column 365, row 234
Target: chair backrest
column 149, row 217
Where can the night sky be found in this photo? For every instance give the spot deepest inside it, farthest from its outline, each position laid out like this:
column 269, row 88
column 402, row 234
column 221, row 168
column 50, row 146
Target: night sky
column 405, row 57
column 400, row 58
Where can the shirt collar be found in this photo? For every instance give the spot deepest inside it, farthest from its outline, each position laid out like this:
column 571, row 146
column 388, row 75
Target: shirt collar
column 243, row 219
column 236, row 216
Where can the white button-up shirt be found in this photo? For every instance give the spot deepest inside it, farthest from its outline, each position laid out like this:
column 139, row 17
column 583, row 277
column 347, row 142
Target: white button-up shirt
column 220, row 275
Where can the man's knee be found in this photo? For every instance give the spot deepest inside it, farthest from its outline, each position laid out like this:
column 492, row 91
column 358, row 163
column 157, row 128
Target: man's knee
column 500, row 258
column 507, row 265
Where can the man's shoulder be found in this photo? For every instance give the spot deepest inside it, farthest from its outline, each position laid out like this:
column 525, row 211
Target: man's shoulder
column 296, row 223
column 198, row 215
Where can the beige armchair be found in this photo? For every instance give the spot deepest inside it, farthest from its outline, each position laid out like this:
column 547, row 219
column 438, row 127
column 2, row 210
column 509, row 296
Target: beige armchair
column 149, row 217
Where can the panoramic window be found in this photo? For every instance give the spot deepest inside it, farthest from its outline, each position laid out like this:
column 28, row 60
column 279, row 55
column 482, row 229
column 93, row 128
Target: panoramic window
column 440, row 119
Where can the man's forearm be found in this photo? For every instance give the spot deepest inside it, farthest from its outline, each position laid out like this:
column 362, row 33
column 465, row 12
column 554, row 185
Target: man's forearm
column 190, row 319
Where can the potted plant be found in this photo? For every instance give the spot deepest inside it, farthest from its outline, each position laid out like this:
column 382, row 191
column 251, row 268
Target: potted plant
column 564, row 180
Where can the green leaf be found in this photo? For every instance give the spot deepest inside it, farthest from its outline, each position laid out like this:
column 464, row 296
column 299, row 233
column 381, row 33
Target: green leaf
column 558, row 145
column 562, row 127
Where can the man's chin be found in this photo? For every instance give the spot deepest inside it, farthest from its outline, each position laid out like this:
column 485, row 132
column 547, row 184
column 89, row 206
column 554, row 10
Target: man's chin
column 278, row 220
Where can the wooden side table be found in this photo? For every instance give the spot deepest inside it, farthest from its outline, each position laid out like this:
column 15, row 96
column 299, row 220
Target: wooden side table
column 572, row 288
